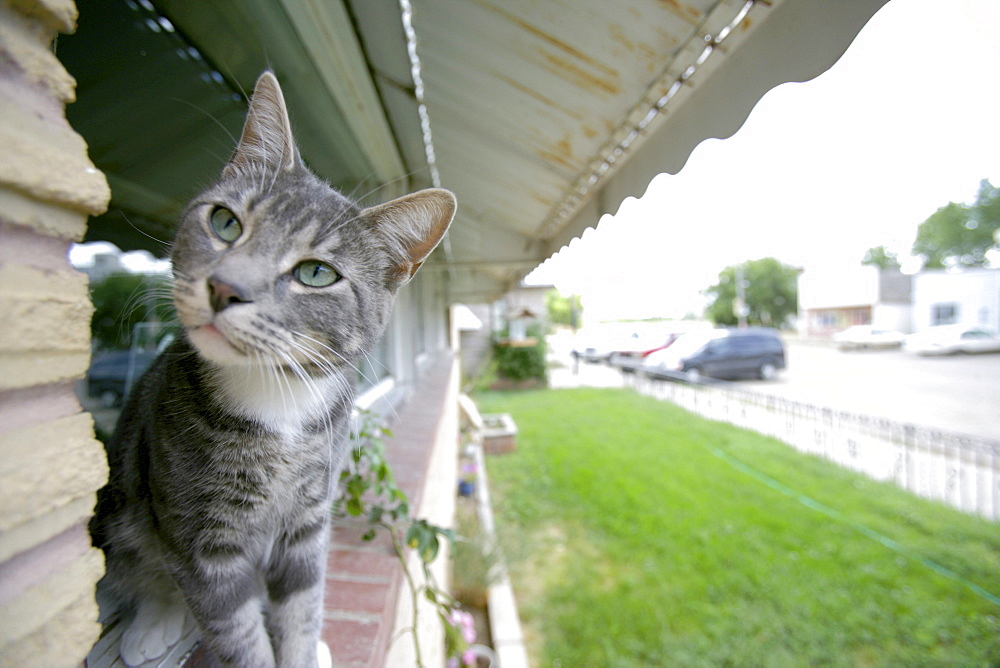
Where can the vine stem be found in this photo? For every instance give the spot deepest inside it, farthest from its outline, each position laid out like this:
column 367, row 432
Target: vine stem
column 370, row 476
column 397, row 545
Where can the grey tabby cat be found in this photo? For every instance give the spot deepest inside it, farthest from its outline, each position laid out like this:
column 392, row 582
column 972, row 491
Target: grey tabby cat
column 225, row 458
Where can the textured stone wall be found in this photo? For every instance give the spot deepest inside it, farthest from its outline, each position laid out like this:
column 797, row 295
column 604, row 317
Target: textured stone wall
column 50, row 463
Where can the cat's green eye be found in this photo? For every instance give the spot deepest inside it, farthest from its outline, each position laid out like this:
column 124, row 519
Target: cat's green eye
column 225, row 224
column 315, row 274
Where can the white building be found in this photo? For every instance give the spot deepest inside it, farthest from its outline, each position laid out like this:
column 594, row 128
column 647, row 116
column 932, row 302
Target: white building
column 967, row 297
column 830, row 301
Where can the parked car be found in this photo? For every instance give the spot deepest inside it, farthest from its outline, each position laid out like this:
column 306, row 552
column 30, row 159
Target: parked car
column 863, row 337
column 112, row 374
column 631, row 354
column 951, row 339
column 756, row 352
column 593, row 344
column 619, row 344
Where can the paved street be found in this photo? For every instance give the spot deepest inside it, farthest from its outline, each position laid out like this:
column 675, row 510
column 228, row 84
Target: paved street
column 958, row 393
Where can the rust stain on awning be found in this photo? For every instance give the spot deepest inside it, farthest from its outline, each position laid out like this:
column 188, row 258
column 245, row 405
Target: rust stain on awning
column 549, row 102
column 561, row 153
column 577, row 75
column 566, row 65
column 690, row 14
column 549, row 38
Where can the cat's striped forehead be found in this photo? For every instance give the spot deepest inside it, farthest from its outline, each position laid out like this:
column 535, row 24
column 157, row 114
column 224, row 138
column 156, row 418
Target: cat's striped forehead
column 294, row 206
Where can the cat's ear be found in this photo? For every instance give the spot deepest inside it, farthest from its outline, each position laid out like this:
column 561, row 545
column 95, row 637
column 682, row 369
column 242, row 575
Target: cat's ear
column 267, row 133
column 412, row 226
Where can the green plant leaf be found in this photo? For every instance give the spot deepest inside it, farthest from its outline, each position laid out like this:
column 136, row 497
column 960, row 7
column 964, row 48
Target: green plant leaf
column 356, row 486
column 429, row 550
column 413, row 536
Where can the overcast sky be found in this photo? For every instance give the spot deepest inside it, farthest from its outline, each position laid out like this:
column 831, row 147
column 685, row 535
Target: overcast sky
column 904, row 123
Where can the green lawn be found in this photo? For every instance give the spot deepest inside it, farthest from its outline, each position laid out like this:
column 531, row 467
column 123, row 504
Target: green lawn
column 641, row 535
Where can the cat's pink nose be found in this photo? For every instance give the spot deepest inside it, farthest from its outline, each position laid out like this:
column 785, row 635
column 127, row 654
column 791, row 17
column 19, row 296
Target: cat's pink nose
column 222, row 295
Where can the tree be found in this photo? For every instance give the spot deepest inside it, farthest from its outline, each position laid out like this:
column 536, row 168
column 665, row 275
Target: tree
column 770, row 293
column 961, row 234
column 881, row 258
column 121, row 301
column 563, row 310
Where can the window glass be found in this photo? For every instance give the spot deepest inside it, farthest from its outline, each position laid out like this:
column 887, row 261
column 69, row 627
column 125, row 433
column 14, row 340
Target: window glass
column 944, row 314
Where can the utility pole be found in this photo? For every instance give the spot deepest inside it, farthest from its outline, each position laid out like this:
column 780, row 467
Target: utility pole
column 740, row 303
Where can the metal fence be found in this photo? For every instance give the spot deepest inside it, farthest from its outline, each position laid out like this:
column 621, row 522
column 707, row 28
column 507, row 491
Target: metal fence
column 961, row 471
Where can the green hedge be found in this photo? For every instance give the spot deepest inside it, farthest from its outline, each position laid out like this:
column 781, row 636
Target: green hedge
column 520, row 362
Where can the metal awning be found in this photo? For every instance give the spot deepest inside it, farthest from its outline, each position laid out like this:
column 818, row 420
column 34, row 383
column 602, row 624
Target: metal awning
column 540, row 116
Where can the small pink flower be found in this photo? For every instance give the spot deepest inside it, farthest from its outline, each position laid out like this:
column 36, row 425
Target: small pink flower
column 469, row 657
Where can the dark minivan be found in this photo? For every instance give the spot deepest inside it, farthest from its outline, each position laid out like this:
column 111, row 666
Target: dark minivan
column 754, row 352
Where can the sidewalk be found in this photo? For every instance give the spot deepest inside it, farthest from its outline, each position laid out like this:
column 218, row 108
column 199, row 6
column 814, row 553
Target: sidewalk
column 562, row 374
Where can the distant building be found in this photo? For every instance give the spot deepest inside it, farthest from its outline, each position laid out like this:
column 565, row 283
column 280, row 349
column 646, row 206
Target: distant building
column 888, row 299
column 103, row 265
column 508, row 317
column 525, row 298
column 474, row 324
column 967, row 297
column 832, row 300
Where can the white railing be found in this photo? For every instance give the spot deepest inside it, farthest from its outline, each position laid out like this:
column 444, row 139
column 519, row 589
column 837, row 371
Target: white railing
column 961, row 471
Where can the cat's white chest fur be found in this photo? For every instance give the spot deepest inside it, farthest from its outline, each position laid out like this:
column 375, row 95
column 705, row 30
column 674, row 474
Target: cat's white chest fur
column 282, row 402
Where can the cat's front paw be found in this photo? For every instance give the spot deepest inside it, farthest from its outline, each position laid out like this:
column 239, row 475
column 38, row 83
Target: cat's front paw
column 156, row 626
column 323, row 658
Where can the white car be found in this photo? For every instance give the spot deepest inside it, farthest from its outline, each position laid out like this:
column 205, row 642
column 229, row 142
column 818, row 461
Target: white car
column 670, row 360
column 596, row 344
column 861, row 337
column 950, row 339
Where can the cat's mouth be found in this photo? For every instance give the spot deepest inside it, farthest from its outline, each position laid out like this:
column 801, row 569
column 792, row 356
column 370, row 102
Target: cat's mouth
column 211, row 329
column 215, row 345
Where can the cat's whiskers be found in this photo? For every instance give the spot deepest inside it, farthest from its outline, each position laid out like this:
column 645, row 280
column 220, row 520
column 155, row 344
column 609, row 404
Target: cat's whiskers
column 268, row 364
column 282, row 360
column 337, row 223
column 258, row 174
column 371, row 381
column 269, row 164
column 341, row 388
column 371, row 364
column 207, row 113
column 299, row 371
column 324, row 365
column 334, row 352
column 165, row 244
column 282, row 380
column 329, row 367
column 274, row 179
column 308, row 381
column 276, row 376
column 379, row 186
